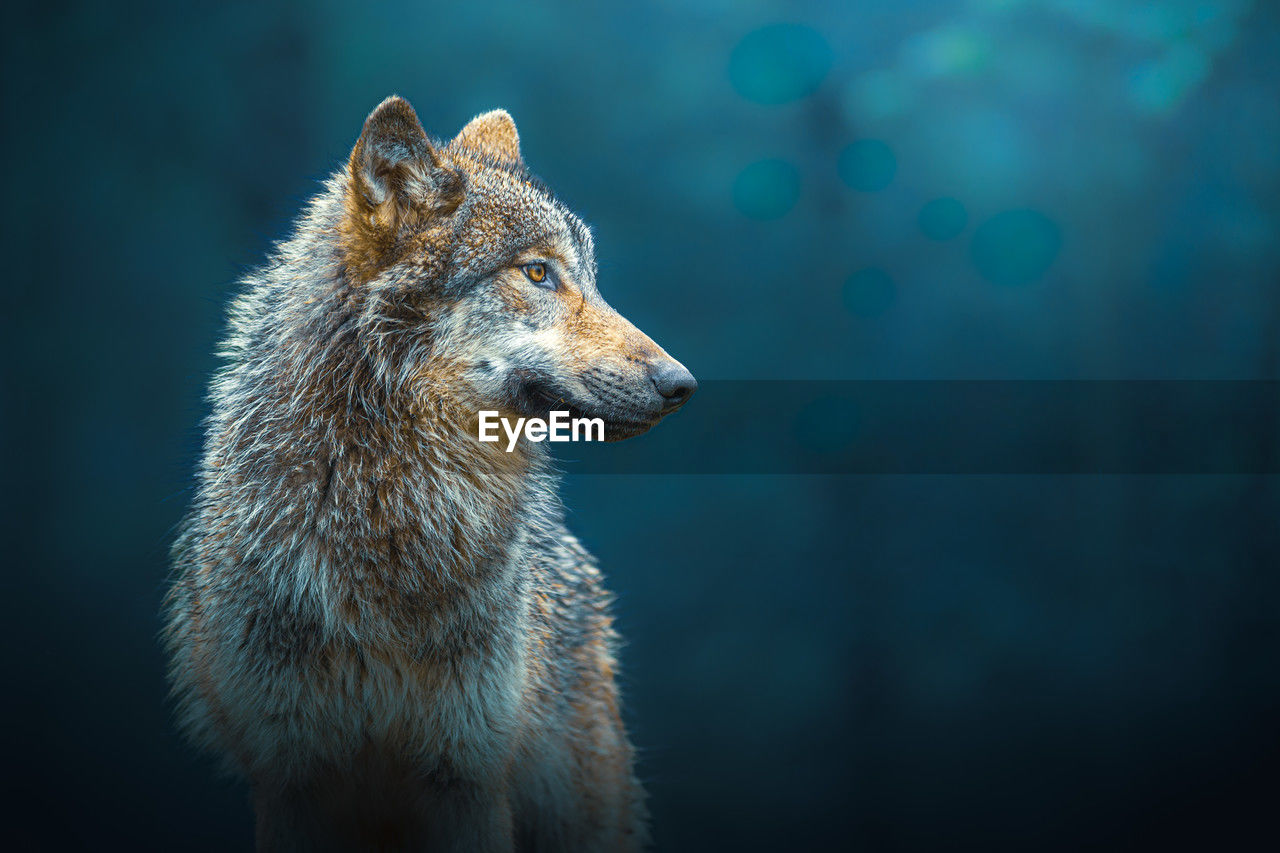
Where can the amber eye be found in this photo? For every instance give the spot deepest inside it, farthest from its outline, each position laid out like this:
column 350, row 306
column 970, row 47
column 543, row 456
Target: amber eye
column 537, row 273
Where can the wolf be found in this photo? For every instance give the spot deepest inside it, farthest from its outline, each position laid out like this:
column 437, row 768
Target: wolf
column 379, row 621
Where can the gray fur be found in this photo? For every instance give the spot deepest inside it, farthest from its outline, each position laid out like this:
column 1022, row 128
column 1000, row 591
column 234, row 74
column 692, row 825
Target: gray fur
column 384, row 627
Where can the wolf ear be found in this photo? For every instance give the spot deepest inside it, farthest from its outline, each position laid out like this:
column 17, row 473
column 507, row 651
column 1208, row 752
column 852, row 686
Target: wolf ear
column 492, row 133
column 396, row 176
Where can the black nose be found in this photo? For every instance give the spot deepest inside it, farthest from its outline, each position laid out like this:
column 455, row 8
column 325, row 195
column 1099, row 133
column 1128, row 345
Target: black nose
column 674, row 383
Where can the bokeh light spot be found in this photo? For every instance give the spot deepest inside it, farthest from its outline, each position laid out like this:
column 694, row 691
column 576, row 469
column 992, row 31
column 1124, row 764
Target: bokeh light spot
column 867, row 165
column 779, row 63
column 880, row 94
column 1015, row 246
column 1160, row 87
column 869, row 292
column 767, row 189
column 948, row 50
column 942, row 219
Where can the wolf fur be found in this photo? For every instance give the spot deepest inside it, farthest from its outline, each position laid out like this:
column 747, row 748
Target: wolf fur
column 377, row 619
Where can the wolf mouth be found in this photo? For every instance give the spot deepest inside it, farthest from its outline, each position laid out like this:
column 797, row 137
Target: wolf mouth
column 538, row 395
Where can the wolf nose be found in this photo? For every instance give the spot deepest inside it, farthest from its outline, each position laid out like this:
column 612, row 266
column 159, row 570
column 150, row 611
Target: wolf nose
column 674, row 383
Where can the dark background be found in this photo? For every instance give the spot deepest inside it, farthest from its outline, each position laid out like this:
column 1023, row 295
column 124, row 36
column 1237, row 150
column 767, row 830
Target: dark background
column 994, row 189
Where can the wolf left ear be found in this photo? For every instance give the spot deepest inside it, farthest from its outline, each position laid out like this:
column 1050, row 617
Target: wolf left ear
column 396, row 174
column 492, row 134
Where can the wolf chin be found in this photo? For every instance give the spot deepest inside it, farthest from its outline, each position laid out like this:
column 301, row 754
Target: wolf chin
column 378, row 620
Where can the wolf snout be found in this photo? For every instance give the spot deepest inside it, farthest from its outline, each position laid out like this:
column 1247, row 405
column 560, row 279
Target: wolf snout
column 673, row 382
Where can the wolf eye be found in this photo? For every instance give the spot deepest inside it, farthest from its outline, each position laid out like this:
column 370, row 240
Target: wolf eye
column 537, row 274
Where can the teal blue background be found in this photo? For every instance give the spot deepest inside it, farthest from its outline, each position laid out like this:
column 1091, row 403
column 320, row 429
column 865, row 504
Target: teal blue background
column 891, row 662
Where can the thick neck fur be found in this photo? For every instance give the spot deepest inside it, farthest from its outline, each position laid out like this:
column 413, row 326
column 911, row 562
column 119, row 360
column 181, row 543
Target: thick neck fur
column 342, row 466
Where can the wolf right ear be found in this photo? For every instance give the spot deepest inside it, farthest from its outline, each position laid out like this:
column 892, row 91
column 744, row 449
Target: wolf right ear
column 494, row 134
column 396, row 175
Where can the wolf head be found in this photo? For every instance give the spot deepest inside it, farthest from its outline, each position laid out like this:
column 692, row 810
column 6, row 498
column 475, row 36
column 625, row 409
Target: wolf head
column 477, row 278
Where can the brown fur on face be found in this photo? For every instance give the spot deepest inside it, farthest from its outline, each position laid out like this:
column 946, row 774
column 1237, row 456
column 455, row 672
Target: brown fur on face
column 440, row 236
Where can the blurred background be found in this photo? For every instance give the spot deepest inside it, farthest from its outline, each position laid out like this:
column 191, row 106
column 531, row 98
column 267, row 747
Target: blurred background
column 972, row 189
